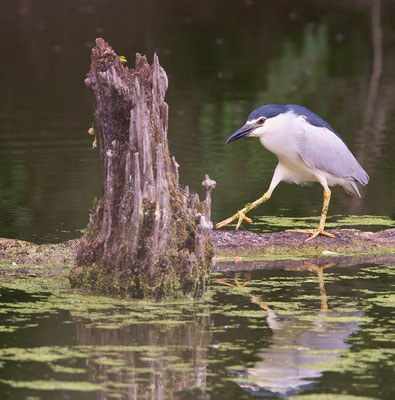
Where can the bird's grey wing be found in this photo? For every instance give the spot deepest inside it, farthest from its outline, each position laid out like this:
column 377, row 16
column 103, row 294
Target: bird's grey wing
column 321, row 148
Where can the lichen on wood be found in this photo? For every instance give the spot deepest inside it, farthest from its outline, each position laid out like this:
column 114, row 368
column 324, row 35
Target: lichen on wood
column 145, row 237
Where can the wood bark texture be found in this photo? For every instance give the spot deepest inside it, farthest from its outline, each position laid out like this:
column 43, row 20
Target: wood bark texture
column 148, row 237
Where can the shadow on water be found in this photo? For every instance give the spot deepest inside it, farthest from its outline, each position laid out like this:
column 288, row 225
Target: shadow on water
column 297, row 329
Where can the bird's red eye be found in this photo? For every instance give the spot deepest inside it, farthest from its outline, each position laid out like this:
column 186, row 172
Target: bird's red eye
column 261, row 121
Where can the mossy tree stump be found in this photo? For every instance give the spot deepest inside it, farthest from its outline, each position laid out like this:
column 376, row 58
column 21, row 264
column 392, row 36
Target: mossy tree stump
column 147, row 236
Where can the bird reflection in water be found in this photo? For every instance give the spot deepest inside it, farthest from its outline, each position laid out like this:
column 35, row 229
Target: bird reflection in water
column 301, row 344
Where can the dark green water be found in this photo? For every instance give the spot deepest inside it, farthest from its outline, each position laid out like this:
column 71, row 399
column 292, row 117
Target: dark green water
column 309, row 332
column 223, row 59
column 302, row 333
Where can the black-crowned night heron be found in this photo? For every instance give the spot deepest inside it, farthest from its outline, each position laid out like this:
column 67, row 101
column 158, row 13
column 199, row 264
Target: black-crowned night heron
column 308, row 150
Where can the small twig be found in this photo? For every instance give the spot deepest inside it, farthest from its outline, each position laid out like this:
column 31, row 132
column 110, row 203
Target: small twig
column 208, row 185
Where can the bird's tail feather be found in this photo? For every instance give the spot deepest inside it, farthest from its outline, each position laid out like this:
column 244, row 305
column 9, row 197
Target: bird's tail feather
column 351, row 188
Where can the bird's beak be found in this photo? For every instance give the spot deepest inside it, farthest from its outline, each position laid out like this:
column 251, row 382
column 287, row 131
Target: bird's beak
column 243, row 131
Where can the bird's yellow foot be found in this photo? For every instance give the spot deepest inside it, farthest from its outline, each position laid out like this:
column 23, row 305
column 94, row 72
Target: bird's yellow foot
column 240, row 215
column 237, row 282
column 313, row 232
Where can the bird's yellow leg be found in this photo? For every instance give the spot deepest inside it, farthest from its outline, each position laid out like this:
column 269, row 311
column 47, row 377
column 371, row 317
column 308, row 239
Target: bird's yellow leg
column 241, row 214
column 321, row 282
column 254, row 298
column 320, row 230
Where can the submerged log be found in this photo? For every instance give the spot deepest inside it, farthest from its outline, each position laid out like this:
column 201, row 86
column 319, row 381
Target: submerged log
column 231, row 247
column 148, row 236
column 234, row 251
column 288, row 245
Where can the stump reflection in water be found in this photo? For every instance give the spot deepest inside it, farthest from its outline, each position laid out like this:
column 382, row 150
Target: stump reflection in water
column 165, row 361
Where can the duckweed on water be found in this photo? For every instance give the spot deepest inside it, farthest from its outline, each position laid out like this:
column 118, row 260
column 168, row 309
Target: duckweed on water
column 365, row 220
column 103, row 312
column 54, row 385
column 234, row 336
column 333, row 222
column 329, row 396
column 67, row 370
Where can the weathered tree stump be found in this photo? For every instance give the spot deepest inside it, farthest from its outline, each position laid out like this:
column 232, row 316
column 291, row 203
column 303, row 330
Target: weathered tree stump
column 148, row 236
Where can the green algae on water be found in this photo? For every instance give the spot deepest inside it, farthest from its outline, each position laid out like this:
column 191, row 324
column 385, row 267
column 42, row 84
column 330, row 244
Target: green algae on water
column 333, row 221
column 125, row 344
column 54, row 385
